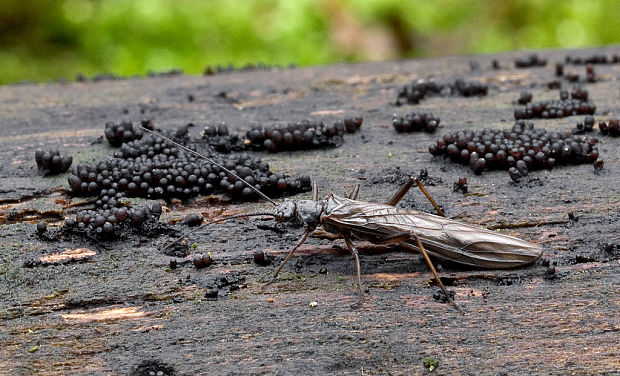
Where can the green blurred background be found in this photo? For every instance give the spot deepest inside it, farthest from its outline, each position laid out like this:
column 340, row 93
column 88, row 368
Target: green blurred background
column 48, row 39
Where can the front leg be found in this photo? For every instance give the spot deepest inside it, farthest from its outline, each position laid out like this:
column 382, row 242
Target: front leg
column 290, row 254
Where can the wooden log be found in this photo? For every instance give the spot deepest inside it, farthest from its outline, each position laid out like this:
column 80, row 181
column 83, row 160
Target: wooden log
column 127, row 304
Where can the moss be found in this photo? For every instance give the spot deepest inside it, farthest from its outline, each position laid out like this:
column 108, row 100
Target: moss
column 430, row 363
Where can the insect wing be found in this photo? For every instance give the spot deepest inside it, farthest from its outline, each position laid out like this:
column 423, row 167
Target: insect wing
column 443, row 238
column 472, row 245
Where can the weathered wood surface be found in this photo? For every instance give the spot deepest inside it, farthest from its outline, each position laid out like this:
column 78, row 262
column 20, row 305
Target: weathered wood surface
column 124, row 304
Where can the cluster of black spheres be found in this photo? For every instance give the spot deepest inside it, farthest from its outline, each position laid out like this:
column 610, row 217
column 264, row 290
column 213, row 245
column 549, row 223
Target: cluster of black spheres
column 468, row 89
column 110, row 222
column 592, row 59
column 249, row 67
column 81, row 77
column 415, row 122
column 420, row 89
column 577, row 92
column 577, row 104
column 586, row 126
column 220, row 139
column 148, row 147
column 305, row 134
column 520, row 149
column 151, row 167
column 611, row 128
column 51, row 162
column 574, row 77
column 532, row 60
column 152, row 367
column 119, row 133
column 525, row 98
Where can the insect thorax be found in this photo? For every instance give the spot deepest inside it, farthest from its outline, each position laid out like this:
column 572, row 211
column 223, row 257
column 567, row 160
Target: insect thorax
column 309, row 212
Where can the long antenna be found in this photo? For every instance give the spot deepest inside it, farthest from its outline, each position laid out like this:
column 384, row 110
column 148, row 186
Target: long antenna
column 212, row 162
column 215, row 221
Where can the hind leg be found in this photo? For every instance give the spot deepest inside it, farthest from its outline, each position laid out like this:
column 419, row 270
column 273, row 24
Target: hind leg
column 402, row 191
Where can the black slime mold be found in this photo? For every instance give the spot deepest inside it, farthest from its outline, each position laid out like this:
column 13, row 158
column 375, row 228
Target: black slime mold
column 586, row 126
column 519, row 150
column 152, row 367
column 150, row 167
column 420, row 89
column 592, row 59
column 525, row 98
column 532, row 60
column 116, row 222
column 460, row 185
column 118, row 133
column 51, row 162
column 305, row 134
column 577, row 104
column 415, row 122
column 611, row 128
column 249, row 67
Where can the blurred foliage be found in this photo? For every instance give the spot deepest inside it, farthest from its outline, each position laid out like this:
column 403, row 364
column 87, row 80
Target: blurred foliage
column 48, row 39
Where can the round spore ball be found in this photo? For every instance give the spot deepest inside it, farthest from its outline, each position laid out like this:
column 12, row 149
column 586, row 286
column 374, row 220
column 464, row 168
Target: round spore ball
column 588, row 123
column 156, row 209
column 522, row 167
column 525, row 98
column 198, row 262
column 108, row 227
column 282, row 185
column 207, row 260
column 352, row 124
column 41, row 227
column 192, row 220
column 259, row 257
column 121, row 215
column 479, row 166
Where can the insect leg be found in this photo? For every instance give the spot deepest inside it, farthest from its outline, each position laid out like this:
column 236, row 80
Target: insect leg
column 290, row 254
column 355, row 192
column 403, row 236
column 402, row 191
column 355, row 254
column 315, row 192
column 430, row 265
column 428, row 196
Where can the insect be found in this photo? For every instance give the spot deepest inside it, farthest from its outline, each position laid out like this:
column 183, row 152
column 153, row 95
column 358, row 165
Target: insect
column 429, row 234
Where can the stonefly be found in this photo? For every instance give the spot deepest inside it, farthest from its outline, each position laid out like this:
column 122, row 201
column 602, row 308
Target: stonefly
column 429, row 234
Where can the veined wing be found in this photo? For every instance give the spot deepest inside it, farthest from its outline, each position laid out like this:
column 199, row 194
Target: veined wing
column 442, row 238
